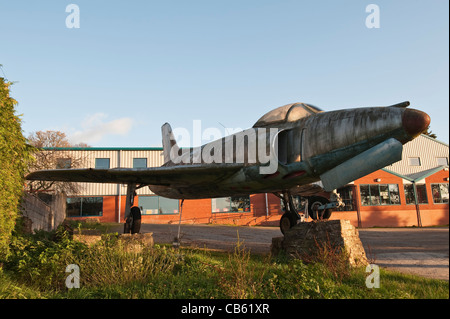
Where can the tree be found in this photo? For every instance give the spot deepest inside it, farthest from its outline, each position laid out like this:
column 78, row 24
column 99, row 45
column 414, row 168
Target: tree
column 43, row 139
column 46, row 158
column 429, row 133
column 15, row 155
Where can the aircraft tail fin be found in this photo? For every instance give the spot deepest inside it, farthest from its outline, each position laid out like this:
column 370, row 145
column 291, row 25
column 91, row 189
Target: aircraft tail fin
column 169, row 142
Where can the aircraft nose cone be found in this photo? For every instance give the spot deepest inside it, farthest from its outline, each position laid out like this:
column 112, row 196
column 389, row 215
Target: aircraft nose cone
column 415, row 122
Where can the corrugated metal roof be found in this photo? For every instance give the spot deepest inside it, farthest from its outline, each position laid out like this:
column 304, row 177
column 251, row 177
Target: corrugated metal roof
column 425, row 148
column 102, row 148
column 417, row 176
column 118, row 157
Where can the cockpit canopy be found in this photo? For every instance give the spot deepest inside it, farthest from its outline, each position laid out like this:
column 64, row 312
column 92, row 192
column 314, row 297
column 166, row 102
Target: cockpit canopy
column 286, row 114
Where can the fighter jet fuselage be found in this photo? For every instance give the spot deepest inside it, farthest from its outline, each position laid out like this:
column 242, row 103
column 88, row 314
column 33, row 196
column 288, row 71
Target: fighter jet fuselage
column 297, row 148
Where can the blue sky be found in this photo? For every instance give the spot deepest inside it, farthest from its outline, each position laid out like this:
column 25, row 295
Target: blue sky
column 134, row 65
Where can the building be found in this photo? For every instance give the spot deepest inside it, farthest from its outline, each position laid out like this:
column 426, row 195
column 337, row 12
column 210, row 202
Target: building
column 411, row 192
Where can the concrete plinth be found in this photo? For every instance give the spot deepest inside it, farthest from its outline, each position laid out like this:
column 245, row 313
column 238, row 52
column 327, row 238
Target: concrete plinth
column 306, row 239
column 136, row 242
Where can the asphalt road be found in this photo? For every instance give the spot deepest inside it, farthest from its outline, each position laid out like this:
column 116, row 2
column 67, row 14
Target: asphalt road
column 420, row 251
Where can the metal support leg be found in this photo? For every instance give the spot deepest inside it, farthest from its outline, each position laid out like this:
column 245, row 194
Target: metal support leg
column 176, row 241
column 285, row 202
column 292, row 208
column 289, row 204
column 306, row 208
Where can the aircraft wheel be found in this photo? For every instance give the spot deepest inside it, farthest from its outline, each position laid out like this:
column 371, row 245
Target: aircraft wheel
column 314, row 203
column 327, row 213
column 287, row 221
column 127, row 226
column 136, row 216
column 136, row 226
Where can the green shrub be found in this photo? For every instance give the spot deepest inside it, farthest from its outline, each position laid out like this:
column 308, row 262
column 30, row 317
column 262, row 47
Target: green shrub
column 114, row 268
column 40, row 260
column 14, row 157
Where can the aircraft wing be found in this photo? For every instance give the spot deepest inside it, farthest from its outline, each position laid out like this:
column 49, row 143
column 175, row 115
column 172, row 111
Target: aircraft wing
column 165, row 175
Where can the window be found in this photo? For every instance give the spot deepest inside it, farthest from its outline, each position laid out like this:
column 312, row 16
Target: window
column 168, row 205
column 394, row 194
column 63, row 163
column 379, row 194
column 365, row 195
column 421, row 194
column 84, row 206
column 414, row 161
column 139, row 163
column 442, row 161
column 102, row 163
column 440, row 193
column 149, row 205
column 235, row 204
column 346, row 194
column 153, row 205
column 221, row 205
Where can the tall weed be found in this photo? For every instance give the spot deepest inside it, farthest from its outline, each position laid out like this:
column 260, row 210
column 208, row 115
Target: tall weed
column 105, row 264
column 240, row 277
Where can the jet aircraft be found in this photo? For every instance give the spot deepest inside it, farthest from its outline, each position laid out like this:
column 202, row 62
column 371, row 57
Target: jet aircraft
column 295, row 149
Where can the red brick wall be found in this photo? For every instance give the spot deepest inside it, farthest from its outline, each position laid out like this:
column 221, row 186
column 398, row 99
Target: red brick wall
column 403, row 214
column 435, row 214
column 199, row 211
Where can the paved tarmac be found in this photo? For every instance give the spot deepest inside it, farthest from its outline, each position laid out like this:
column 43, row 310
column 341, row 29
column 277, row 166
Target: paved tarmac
column 420, row 251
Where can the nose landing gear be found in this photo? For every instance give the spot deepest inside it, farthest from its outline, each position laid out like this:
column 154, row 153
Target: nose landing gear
column 291, row 216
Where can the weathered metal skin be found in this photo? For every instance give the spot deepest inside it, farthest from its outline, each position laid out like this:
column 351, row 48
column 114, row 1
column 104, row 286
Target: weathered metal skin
column 339, row 129
column 311, row 145
column 307, row 147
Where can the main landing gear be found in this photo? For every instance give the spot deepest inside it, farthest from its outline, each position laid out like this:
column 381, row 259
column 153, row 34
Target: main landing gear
column 318, row 208
column 315, row 209
column 132, row 213
column 291, row 215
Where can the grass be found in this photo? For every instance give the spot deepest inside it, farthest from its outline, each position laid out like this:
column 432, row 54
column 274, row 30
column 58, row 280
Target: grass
column 36, row 269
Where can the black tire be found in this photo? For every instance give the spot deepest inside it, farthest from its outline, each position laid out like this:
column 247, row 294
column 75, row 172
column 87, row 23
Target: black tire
column 136, row 224
column 327, row 213
column 313, row 203
column 136, row 227
column 287, row 221
column 127, row 226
